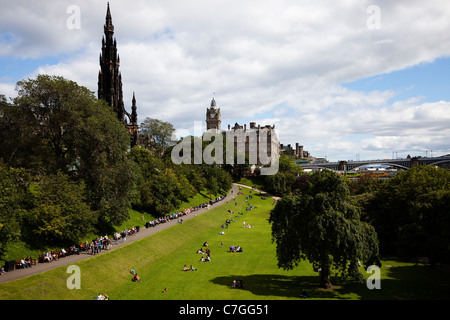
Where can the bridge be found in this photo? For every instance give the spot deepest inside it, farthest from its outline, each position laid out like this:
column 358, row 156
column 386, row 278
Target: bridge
column 401, row 164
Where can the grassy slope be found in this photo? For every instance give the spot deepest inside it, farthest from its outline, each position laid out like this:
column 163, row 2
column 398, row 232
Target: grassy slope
column 159, row 260
column 19, row 249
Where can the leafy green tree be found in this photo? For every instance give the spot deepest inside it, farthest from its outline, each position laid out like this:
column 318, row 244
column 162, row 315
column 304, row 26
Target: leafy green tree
column 196, row 180
column 60, row 215
column 225, row 180
column 323, row 226
column 115, row 189
column 411, row 216
column 162, row 187
column 301, row 182
column 287, row 164
column 212, row 186
column 277, row 184
column 157, row 134
column 58, row 126
column 14, row 202
column 284, row 181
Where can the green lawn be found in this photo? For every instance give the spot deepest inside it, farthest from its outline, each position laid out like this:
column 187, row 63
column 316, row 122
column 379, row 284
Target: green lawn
column 159, row 260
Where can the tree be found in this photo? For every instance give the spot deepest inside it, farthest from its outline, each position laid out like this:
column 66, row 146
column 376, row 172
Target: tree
column 55, row 125
column 59, row 214
column 410, row 213
column 277, row 184
column 284, row 181
column 324, row 227
column 14, row 202
column 161, row 187
column 157, row 134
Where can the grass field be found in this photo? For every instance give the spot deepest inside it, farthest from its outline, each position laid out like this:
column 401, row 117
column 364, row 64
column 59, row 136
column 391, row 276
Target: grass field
column 159, row 260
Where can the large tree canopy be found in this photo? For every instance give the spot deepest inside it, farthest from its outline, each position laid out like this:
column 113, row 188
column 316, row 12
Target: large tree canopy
column 411, row 214
column 323, row 226
column 54, row 125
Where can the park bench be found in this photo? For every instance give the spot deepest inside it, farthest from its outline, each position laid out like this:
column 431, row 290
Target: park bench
column 18, row 263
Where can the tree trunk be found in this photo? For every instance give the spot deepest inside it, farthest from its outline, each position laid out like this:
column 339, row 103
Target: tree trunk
column 325, row 272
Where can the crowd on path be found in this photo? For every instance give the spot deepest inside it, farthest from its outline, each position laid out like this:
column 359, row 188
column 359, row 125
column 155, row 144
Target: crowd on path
column 177, row 215
column 95, row 246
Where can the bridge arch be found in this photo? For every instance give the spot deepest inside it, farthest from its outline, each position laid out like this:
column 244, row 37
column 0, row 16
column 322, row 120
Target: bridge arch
column 439, row 162
column 380, row 163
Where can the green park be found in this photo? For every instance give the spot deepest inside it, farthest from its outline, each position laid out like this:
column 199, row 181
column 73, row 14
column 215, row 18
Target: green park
column 68, row 175
column 159, row 260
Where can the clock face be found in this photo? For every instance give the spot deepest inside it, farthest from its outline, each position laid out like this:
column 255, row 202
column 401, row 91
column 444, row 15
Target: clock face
column 212, row 115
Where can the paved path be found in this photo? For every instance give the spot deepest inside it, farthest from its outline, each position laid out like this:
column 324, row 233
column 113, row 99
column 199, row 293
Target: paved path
column 257, row 190
column 143, row 232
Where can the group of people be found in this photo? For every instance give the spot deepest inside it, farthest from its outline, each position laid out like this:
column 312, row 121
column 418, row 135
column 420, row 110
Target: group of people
column 206, row 256
column 101, row 297
column 93, row 247
column 238, row 284
column 49, row 256
column 206, row 252
column 97, row 245
column 235, row 249
column 179, row 214
column 25, row 263
column 191, row 268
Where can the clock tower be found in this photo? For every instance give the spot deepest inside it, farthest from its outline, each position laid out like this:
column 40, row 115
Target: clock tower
column 213, row 117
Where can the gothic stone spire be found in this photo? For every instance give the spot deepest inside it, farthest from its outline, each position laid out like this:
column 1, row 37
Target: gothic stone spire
column 110, row 80
column 109, row 77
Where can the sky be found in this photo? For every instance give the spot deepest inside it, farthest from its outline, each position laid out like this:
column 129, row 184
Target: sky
column 348, row 79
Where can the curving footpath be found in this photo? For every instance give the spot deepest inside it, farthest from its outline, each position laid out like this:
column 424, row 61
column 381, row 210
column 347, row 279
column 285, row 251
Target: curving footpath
column 143, row 232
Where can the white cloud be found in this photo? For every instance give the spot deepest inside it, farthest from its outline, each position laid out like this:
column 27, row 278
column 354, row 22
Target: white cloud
column 7, row 89
column 257, row 56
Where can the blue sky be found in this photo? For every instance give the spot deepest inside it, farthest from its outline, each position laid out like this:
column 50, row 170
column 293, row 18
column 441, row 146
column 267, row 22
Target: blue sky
column 428, row 80
column 317, row 70
column 15, row 69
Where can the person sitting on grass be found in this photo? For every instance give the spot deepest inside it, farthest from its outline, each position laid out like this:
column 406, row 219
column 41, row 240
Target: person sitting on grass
column 102, row 297
column 136, row 278
column 192, row 268
column 236, row 249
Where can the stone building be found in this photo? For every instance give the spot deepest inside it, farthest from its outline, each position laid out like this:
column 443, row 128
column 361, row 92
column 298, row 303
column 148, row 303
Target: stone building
column 297, row 151
column 246, row 140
